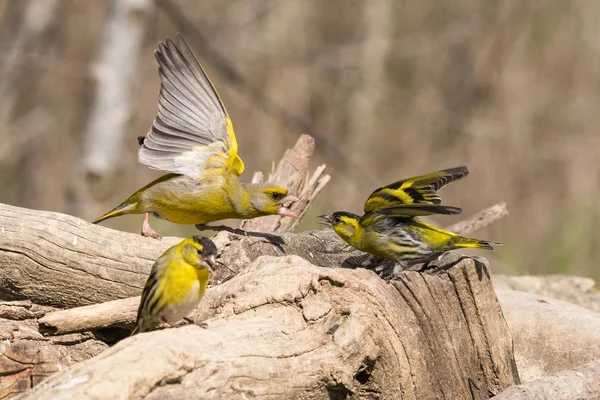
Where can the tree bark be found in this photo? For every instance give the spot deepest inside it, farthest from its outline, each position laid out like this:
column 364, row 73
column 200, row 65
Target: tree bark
column 292, row 172
column 27, row 357
column 286, row 328
column 120, row 313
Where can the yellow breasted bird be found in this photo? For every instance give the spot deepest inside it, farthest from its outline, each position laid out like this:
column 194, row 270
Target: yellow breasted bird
column 176, row 284
column 394, row 232
column 192, row 138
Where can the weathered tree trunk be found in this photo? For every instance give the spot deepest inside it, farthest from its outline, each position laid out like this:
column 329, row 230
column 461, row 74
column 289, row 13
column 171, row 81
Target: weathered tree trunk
column 286, row 328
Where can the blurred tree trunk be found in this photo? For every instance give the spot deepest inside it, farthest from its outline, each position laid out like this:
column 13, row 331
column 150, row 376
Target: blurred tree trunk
column 283, row 38
column 38, row 15
column 370, row 93
column 18, row 128
column 116, row 69
column 372, row 54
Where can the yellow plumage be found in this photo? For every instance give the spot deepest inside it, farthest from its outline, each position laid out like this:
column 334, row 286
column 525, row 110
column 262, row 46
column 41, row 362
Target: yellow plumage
column 176, row 284
column 193, row 138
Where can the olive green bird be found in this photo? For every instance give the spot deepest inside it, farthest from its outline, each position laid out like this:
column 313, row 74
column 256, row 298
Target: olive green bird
column 176, row 284
column 394, row 232
column 192, row 138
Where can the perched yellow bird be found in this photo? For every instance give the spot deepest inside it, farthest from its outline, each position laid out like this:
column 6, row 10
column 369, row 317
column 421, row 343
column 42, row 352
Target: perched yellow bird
column 176, row 284
column 390, row 227
column 192, row 137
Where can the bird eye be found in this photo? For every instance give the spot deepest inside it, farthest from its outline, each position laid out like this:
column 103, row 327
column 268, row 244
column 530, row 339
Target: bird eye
column 200, row 252
column 277, row 196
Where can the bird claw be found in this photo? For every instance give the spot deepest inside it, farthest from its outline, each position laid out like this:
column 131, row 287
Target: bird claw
column 220, row 228
column 190, row 321
column 147, row 231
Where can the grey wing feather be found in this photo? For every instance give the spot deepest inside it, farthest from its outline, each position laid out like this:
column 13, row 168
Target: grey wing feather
column 191, row 121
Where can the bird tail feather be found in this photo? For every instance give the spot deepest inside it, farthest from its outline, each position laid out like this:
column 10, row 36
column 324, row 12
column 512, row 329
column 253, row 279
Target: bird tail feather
column 476, row 244
column 122, row 209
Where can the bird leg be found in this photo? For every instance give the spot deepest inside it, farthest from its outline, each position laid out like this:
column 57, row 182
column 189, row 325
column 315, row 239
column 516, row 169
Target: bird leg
column 219, row 228
column 425, row 266
column 147, row 231
column 190, row 321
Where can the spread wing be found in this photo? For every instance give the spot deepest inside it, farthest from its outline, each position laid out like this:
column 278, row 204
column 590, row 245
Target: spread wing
column 416, row 190
column 405, row 211
column 192, row 131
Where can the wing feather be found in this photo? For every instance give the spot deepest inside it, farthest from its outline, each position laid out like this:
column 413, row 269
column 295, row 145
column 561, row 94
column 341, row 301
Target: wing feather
column 192, row 131
column 420, row 189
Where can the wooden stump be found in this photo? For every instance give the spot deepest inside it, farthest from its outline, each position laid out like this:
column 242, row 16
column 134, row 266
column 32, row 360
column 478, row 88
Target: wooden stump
column 284, row 328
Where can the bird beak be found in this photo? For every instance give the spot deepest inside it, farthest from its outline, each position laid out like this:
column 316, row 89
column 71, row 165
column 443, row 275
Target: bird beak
column 285, row 210
column 209, row 262
column 325, row 220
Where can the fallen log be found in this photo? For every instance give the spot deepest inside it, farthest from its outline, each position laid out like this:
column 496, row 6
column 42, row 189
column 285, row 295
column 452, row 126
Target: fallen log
column 286, row 328
column 60, row 260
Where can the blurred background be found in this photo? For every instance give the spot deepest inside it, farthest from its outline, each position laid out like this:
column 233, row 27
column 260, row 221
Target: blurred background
column 389, row 89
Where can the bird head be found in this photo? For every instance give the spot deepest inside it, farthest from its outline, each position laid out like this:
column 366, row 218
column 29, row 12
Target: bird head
column 271, row 200
column 200, row 252
column 343, row 223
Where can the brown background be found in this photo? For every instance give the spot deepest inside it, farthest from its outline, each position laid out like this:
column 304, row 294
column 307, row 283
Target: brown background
column 389, row 88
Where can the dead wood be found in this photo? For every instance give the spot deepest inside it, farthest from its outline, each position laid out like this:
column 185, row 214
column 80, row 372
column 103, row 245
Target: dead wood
column 51, row 258
column 293, row 173
column 27, row 357
column 120, row 313
column 480, row 220
column 285, row 328
column 56, row 259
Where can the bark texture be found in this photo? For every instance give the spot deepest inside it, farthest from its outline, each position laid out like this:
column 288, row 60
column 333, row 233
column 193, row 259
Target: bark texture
column 286, row 328
column 292, row 173
column 27, row 357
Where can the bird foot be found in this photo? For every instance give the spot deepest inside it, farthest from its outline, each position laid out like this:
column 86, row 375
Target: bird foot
column 149, row 232
column 426, row 266
column 190, row 321
column 219, row 228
